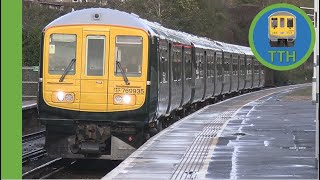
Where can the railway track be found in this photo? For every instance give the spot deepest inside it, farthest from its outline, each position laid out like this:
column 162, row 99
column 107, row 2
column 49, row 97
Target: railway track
column 33, row 155
column 33, row 136
column 48, row 169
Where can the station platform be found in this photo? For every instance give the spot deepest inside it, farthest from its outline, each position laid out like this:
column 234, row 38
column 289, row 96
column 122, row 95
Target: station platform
column 268, row 134
column 29, row 104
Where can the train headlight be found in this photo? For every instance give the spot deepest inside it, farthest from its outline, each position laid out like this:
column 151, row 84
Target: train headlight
column 60, row 96
column 118, row 99
column 126, row 99
column 69, row 97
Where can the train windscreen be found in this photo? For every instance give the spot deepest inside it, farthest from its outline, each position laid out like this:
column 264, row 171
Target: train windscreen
column 274, row 22
column 129, row 54
column 62, row 50
column 290, row 22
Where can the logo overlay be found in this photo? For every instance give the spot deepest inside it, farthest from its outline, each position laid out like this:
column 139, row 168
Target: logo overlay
column 282, row 37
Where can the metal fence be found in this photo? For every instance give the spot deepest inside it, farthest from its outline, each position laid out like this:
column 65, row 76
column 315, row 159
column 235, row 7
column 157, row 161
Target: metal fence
column 30, row 79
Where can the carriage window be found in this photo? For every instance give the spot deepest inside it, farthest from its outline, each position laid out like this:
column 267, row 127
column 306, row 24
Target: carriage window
column 176, row 65
column 211, row 67
column 219, row 66
column 201, row 61
column 226, row 66
column 274, row 22
column 242, row 67
column 197, row 67
column 235, row 66
column 62, row 49
column 256, row 67
column 208, row 65
column 129, row 54
column 249, row 66
column 163, row 65
column 188, row 65
column 95, row 55
column 290, row 22
column 282, row 22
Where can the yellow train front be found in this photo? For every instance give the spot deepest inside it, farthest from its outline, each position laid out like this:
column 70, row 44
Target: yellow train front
column 93, row 85
column 282, row 29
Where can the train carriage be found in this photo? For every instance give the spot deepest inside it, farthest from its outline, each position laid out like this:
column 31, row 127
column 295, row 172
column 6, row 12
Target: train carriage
column 109, row 80
column 188, row 82
column 248, row 59
column 242, row 69
column 262, row 75
column 235, row 68
column 199, row 87
column 210, row 78
column 227, row 70
column 163, row 74
column 256, row 73
column 219, row 73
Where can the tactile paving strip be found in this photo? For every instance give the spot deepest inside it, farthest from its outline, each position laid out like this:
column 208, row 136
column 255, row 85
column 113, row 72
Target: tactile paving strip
column 193, row 159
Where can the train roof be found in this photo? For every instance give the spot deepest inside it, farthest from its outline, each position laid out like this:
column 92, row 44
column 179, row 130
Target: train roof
column 282, row 13
column 106, row 16
column 246, row 50
column 120, row 18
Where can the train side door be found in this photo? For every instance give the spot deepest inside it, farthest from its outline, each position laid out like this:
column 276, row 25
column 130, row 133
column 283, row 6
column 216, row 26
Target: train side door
column 163, row 77
column 94, row 77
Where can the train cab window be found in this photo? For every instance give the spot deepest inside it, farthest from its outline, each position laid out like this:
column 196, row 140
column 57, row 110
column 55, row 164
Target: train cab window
column 290, row 22
column 274, row 22
column 282, row 22
column 129, row 54
column 95, row 55
column 62, row 49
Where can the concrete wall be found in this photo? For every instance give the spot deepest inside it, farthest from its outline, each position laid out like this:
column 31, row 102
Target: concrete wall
column 30, row 79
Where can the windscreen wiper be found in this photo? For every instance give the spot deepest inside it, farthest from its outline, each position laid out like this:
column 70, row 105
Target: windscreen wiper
column 125, row 78
column 67, row 70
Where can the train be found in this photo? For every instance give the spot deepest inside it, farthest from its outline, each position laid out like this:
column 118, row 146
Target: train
column 110, row 80
column 282, row 29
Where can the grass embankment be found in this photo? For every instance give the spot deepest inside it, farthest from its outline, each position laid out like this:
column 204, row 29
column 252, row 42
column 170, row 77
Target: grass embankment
column 303, row 94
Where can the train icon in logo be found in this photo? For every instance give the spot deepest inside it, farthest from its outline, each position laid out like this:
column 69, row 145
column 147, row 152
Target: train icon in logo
column 282, row 29
column 282, row 36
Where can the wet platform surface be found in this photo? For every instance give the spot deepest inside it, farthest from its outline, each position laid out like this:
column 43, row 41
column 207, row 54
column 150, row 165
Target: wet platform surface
column 261, row 135
column 29, row 104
